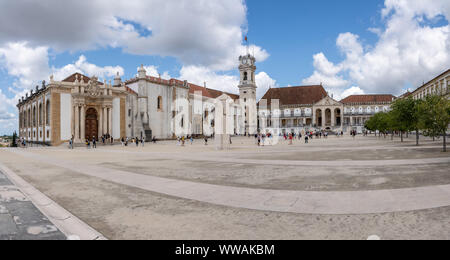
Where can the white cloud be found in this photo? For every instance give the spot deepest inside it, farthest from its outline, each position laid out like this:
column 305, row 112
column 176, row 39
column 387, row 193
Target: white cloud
column 264, row 82
column 153, row 71
column 326, row 73
column 7, row 118
column 411, row 49
column 214, row 80
column 202, row 32
column 29, row 65
column 84, row 67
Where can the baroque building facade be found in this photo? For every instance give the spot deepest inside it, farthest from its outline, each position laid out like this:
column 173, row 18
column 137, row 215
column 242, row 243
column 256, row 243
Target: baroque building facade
column 81, row 108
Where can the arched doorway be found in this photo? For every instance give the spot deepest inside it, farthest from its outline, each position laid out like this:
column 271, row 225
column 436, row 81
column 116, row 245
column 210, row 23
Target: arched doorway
column 91, row 124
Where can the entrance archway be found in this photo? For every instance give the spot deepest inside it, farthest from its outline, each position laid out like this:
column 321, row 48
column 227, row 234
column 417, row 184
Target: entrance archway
column 91, row 124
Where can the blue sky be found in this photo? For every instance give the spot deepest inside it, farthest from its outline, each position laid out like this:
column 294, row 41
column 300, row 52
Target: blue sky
column 351, row 46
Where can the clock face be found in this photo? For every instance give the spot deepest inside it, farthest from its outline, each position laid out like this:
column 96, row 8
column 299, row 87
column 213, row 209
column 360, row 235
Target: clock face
column 244, row 61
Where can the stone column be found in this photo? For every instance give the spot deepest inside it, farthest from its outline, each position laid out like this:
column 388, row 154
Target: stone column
column 333, row 117
column 83, row 123
column 314, row 117
column 110, row 121
column 100, row 122
column 77, row 124
column 323, row 118
column 105, row 121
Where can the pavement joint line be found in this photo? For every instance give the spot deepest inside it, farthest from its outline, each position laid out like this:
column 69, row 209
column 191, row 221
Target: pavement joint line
column 325, row 163
column 76, row 227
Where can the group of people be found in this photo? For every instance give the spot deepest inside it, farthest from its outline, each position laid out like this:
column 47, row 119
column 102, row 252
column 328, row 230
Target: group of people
column 92, row 142
column 136, row 141
column 261, row 139
column 181, row 140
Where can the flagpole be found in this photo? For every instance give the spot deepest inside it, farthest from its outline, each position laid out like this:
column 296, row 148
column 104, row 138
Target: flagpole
column 246, row 43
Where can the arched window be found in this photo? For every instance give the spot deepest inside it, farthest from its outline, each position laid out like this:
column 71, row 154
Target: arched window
column 245, row 75
column 47, row 112
column 34, row 118
column 40, row 115
column 159, row 103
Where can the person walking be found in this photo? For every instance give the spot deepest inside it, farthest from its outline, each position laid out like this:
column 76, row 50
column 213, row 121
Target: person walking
column 88, row 143
column 206, row 140
column 94, row 142
column 192, row 140
column 306, row 139
column 143, row 141
column 137, row 142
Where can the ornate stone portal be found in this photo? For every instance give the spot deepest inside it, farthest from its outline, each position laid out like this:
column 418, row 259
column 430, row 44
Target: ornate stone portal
column 92, row 110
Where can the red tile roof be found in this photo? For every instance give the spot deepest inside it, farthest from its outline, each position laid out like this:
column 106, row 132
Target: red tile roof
column 210, row 93
column 206, row 92
column 301, row 95
column 368, row 99
column 130, row 90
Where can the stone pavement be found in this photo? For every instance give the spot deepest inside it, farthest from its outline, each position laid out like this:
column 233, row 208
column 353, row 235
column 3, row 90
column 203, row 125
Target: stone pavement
column 20, row 219
column 306, row 202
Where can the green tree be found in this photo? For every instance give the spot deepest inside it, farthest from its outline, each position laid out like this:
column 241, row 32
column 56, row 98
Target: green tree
column 435, row 117
column 405, row 113
column 14, row 140
column 380, row 122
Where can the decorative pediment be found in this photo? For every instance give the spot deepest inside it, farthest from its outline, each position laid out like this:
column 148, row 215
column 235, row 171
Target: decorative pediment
column 328, row 101
column 93, row 89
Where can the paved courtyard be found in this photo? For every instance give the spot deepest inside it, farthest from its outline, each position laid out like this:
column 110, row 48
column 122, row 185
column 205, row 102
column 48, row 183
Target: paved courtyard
column 335, row 188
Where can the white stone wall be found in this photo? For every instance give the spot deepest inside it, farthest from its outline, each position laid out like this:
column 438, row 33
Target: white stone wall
column 66, row 114
column 116, row 118
column 159, row 119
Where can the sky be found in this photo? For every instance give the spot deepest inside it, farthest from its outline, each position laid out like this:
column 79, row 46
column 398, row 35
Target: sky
column 350, row 46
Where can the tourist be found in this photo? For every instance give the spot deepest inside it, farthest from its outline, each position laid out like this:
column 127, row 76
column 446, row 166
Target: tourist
column 122, row 141
column 143, row 141
column 154, row 139
column 71, row 142
column 137, row 142
column 88, row 143
column 94, row 142
column 192, row 140
column 206, row 140
column 306, row 139
column 290, row 139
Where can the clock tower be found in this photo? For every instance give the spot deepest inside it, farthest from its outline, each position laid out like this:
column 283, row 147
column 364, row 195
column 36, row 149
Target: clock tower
column 247, row 91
